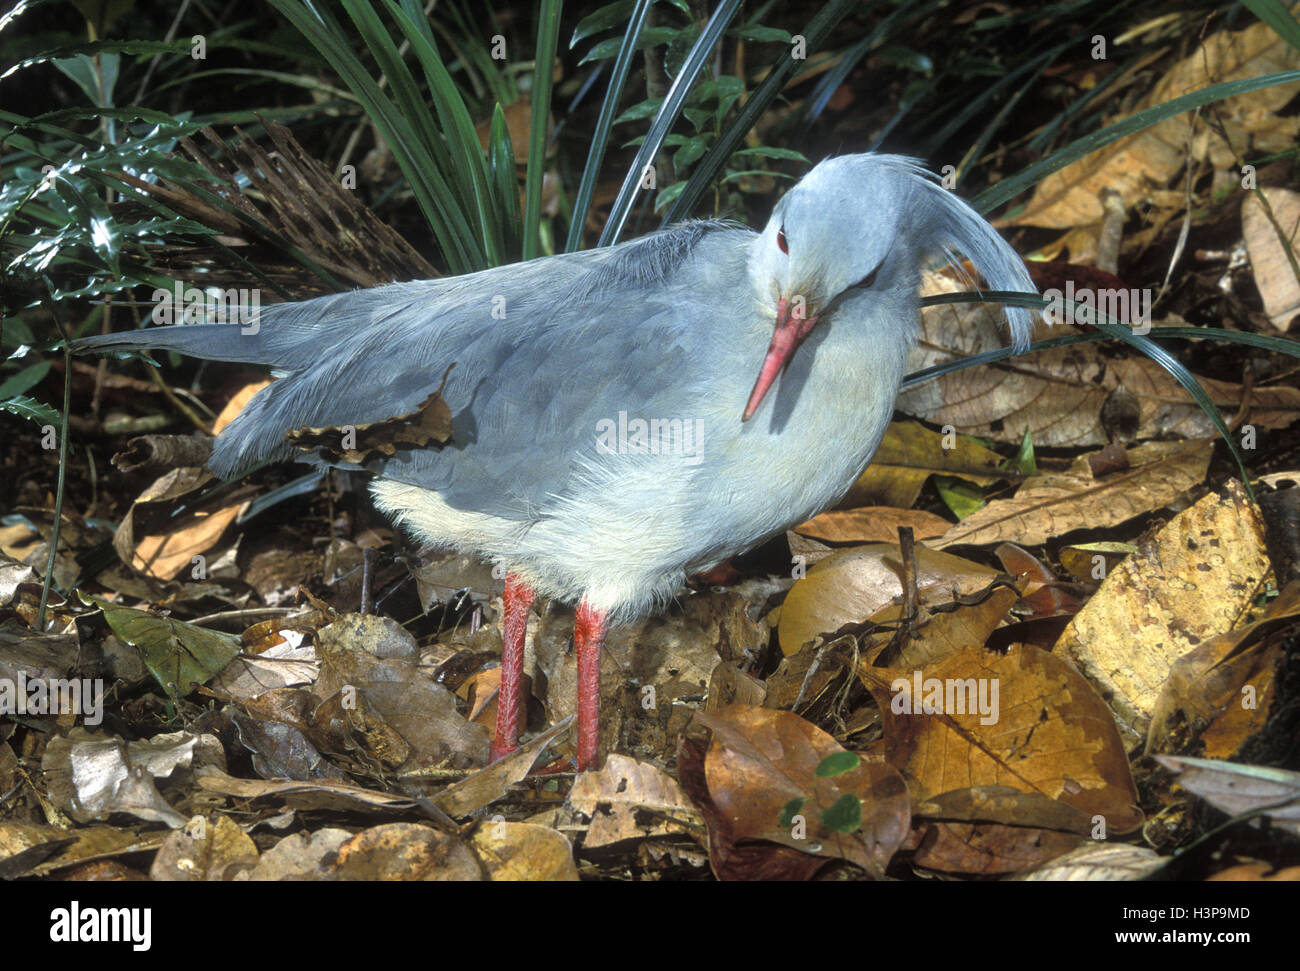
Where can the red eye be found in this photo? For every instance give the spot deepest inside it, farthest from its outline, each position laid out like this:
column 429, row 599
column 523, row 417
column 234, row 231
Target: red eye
column 780, row 241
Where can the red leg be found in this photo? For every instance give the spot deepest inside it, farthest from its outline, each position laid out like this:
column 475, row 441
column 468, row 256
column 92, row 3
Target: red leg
column 589, row 630
column 518, row 598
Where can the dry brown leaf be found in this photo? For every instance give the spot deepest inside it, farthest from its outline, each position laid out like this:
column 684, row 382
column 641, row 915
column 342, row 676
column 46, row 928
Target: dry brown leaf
column 1099, row 861
column 1274, row 275
column 1093, row 562
column 1043, row 597
column 1195, row 580
column 236, row 404
column 93, row 775
column 872, row 524
column 172, row 485
column 405, row 851
column 486, row 786
column 1025, row 719
column 625, row 782
column 337, row 796
column 87, row 843
column 1257, row 871
column 851, row 585
column 989, row 848
column 1164, row 407
column 206, row 849
column 299, row 856
column 524, row 851
column 728, row 858
column 1149, row 159
column 166, row 556
column 728, row 685
column 427, row 427
column 631, row 800
column 1220, row 693
column 948, row 631
column 374, row 660
column 1050, row 505
column 1007, row 806
column 803, row 679
column 761, row 761
column 908, row 455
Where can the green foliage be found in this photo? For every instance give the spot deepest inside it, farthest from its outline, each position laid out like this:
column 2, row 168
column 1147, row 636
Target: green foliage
column 790, row 810
column 838, row 764
column 961, row 497
column 845, row 815
column 1023, row 462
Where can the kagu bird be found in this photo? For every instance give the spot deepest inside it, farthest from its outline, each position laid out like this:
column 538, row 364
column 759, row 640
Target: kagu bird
column 610, row 437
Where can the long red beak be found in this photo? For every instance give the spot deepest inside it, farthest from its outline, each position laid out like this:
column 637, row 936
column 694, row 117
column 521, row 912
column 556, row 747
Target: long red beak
column 786, row 338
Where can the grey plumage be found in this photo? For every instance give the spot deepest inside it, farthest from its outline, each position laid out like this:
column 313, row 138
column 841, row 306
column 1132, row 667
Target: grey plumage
column 671, row 327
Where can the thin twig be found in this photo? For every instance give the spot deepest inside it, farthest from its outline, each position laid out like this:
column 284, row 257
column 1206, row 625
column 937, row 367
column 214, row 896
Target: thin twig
column 907, row 547
column 177, row 403
column 63, row 463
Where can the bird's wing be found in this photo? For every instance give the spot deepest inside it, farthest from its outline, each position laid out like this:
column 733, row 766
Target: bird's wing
column 542, row 352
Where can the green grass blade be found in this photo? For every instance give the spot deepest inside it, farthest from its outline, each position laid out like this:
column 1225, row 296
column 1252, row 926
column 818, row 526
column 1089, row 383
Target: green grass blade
column 469, row 169
column 1276, row 15
column 674, row 101
column 604, row 122
column 548, row 39
column 505, row 181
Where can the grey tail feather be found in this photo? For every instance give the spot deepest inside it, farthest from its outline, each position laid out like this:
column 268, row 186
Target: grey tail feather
column 954, row 225
column 213, row 342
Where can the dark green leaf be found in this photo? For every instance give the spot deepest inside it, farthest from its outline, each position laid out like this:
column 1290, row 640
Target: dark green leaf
column 1276, row 15
column 603, row 18
column 180, row 656
column 962, row 497
column 906, row 58
column 689, row 152
column 27, row 377
column 761, row 35
column 1023, row 461
column 650, row 37
column 674, row 101
column 790, row 810
column 768, row 151
column 666, row 195
column 32, row 410
column 640, row 110
column 845, row 816
column 837, row 763
column 505, row 179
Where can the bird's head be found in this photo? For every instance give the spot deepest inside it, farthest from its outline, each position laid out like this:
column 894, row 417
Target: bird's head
column 858, row 223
